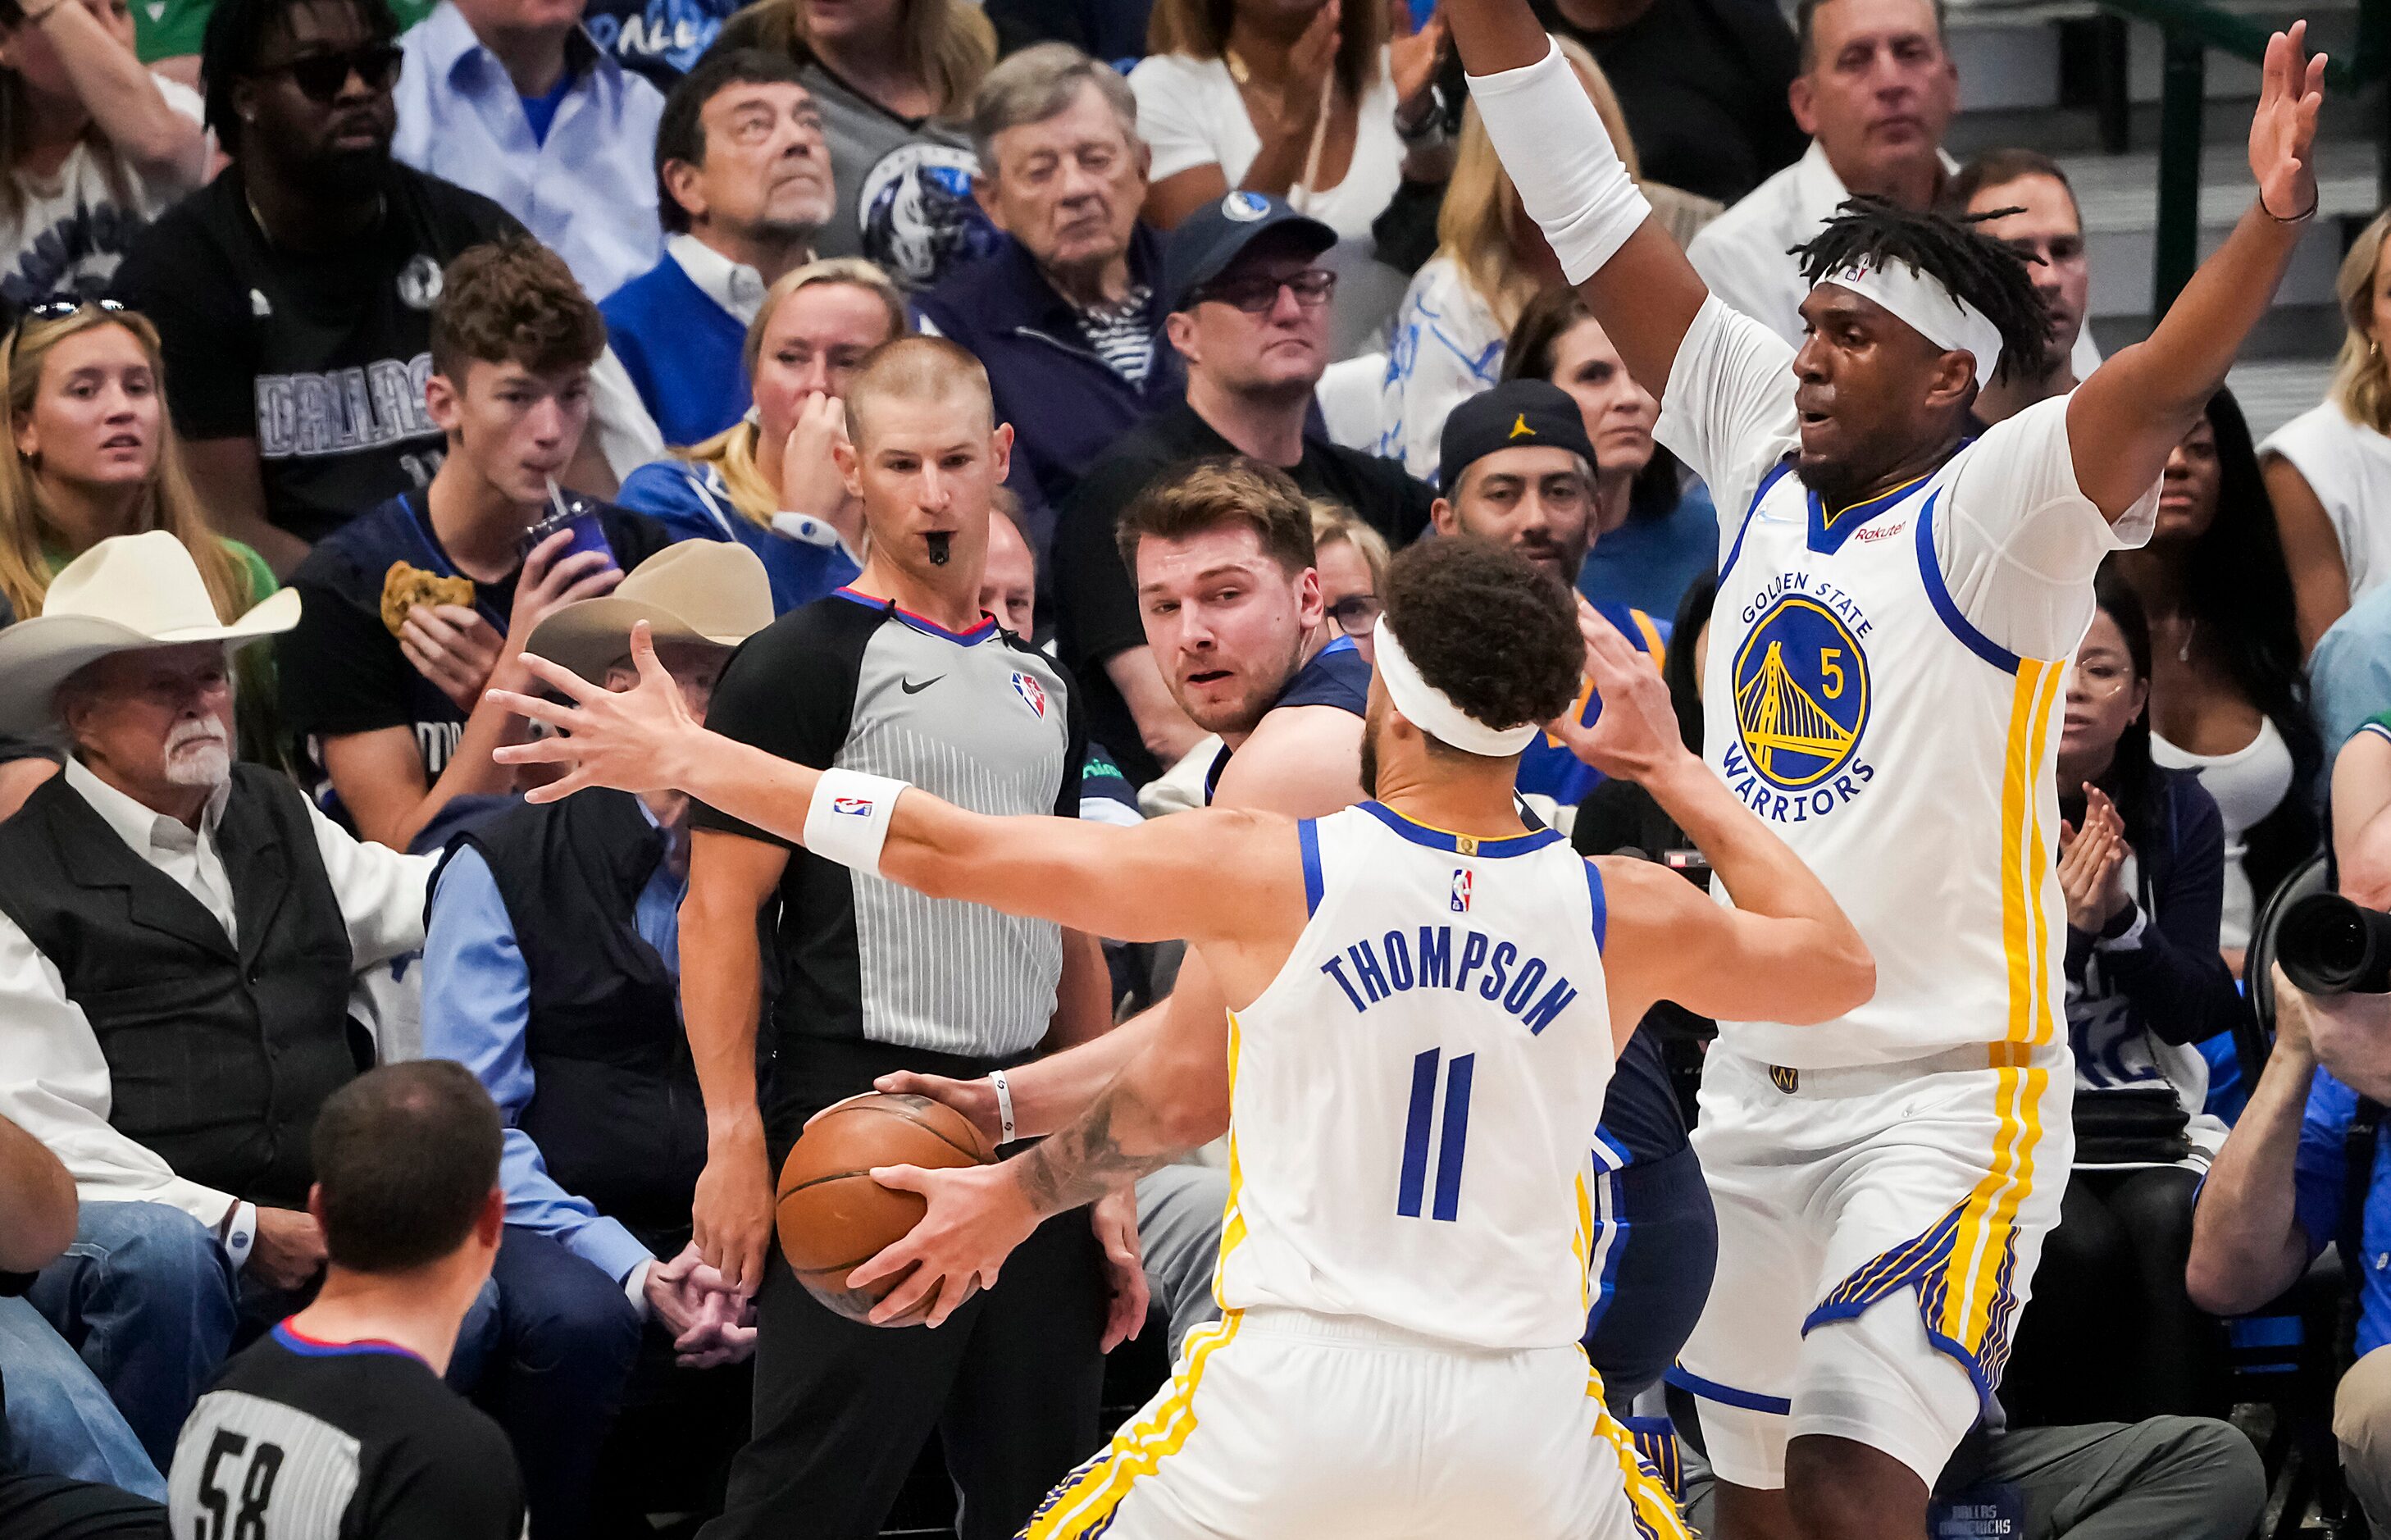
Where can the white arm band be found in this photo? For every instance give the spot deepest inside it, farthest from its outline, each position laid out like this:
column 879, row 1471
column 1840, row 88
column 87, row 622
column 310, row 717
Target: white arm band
column 848, row 821
column 1560, row 156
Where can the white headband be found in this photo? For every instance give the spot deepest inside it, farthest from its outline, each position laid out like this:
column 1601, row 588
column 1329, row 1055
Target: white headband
column 1432, row 711
column 1935, row 313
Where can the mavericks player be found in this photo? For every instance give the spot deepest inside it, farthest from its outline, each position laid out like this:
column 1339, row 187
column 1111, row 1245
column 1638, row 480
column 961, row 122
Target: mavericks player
column 1420, row 1001
column 1896, row 601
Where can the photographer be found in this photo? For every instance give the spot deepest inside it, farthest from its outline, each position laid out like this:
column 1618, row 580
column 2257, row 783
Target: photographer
column 2282, row 1188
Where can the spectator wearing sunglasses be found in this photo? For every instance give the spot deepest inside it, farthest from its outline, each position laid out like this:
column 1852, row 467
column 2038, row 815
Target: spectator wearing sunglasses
column 293, row 294
column 513, row 100
column 97, row 146
column 1250, row 315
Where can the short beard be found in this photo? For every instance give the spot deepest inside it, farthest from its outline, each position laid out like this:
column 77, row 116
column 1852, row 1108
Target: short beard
column 1370, row 754
column 198, row 756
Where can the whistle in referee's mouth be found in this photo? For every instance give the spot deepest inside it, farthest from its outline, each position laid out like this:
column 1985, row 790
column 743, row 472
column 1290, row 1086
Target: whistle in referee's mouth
column 939, row 539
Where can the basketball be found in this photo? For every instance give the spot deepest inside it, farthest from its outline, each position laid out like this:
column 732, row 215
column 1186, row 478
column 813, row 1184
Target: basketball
column 833, row 1217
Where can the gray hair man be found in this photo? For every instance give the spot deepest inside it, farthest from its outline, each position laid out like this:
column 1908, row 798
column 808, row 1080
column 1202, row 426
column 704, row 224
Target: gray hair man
column 1067, row 313
column 179, row 937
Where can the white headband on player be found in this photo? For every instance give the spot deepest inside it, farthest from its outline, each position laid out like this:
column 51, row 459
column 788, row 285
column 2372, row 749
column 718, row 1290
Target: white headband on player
column 1432, row 711
column 1932, row 311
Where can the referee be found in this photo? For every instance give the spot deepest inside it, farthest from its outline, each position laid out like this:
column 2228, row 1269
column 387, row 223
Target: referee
column 899, row 675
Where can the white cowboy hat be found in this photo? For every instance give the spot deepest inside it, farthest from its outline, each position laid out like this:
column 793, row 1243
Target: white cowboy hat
column 695, row 590
column 127, row 592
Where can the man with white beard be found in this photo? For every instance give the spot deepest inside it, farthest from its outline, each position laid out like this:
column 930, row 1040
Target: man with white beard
column 179, row 937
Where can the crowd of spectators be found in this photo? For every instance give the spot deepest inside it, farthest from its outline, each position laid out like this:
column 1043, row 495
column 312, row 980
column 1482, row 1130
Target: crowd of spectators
column 356, row 348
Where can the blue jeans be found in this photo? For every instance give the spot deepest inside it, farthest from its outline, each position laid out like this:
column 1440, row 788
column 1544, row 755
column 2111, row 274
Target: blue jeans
column 548, row 1349
column 60, row 1421
column 145, row 1295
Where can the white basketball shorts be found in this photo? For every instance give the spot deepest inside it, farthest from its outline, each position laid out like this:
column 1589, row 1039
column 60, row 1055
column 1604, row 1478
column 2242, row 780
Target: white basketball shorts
column 1279, row 1423
column 1877, row 1229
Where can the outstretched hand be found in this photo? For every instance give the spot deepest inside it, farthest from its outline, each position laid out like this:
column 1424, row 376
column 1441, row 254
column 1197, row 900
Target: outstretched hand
column 2283, row 132
column 1637, row 735
column 633, row 740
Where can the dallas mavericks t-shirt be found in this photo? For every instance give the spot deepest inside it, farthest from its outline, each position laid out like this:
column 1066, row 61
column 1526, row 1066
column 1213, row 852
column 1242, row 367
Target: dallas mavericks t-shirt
column 355, row 1440
column 319, row 357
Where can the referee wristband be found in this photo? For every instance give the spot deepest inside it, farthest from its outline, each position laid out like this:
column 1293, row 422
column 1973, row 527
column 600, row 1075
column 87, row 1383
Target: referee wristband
column 848, row 821
column 1003, row 1105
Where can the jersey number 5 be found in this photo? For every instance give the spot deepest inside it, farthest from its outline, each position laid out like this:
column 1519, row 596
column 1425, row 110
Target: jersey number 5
column 223, row 1521
column 1450, row 1142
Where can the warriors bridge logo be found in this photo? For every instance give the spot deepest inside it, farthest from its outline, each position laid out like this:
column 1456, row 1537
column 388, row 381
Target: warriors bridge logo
column 1801, row 702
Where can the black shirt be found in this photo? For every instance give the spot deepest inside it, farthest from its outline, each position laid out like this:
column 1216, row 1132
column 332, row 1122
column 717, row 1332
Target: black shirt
column 321, row 358
column 1095, row 601
column 1109, row 30
column 977, row 718
column 352, row 1441
column 1703, row 85
column 341, row 669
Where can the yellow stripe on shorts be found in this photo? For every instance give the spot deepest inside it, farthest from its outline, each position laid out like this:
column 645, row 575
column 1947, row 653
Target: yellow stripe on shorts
column 1088, row 1496
column 1649, row 1500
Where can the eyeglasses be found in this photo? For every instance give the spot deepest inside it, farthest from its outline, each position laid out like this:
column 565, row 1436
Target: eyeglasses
column 1355, row 613
column 1257, row 294
column 320, row 76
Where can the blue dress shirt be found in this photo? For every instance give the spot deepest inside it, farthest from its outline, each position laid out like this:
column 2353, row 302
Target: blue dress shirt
column 476, row 1009
column 587, row 188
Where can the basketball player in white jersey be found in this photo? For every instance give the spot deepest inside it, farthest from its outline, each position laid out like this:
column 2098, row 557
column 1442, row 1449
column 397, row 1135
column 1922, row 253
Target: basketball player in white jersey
column 1896, row 603
column 1420, row 1001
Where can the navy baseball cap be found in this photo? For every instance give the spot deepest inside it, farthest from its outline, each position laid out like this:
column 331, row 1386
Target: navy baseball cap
column 1208, row 240
column 1516, row 414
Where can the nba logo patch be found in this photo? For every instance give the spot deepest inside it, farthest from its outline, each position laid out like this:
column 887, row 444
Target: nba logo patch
column 1461, row 892
column 851, row 807
column 1032, row 693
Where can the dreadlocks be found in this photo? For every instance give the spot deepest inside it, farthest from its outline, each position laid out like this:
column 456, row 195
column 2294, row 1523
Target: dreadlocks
column 1972, row 266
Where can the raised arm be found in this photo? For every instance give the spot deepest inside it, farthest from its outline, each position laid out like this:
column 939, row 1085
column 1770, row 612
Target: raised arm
column 1784, row 952
column 1211, row 875
column 1572, row 182
column 2124, row 420
column 2247, row 1244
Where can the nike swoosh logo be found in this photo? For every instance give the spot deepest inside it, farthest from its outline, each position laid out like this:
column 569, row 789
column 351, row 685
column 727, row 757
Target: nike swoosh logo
column 912, row 689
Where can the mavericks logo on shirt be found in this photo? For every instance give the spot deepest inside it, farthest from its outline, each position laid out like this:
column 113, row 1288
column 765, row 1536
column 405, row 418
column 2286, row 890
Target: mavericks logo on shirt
column 1802, row 689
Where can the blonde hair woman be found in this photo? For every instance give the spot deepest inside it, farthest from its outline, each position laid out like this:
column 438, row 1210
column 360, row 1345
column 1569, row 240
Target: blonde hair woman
column 1351, row 559
column 768, row 480
column 1491, row 260
column 2329, row 469
column 97, row 457
column 94, row 456
column 894, row 79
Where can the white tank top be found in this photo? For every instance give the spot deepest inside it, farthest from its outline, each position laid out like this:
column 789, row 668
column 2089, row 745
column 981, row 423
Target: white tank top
column 1903, row 754
column 2248, row 783
column 1414, row 1097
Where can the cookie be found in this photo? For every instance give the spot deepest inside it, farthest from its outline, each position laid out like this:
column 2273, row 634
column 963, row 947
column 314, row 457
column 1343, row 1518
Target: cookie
column 405, row 586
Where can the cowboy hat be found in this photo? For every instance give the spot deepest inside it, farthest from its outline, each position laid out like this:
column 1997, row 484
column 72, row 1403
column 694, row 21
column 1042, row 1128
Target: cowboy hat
column 695, row 590
column 127, row 592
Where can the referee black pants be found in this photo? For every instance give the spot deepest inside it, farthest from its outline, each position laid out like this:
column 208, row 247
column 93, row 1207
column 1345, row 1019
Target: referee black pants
column 1011, row 1384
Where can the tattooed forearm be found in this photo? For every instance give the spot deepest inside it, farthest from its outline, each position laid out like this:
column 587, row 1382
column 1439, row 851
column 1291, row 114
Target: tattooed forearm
column 1117, row 1140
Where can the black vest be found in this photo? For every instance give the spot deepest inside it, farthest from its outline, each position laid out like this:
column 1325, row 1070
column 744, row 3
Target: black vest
column 217, row 1058
column 616, row 1108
